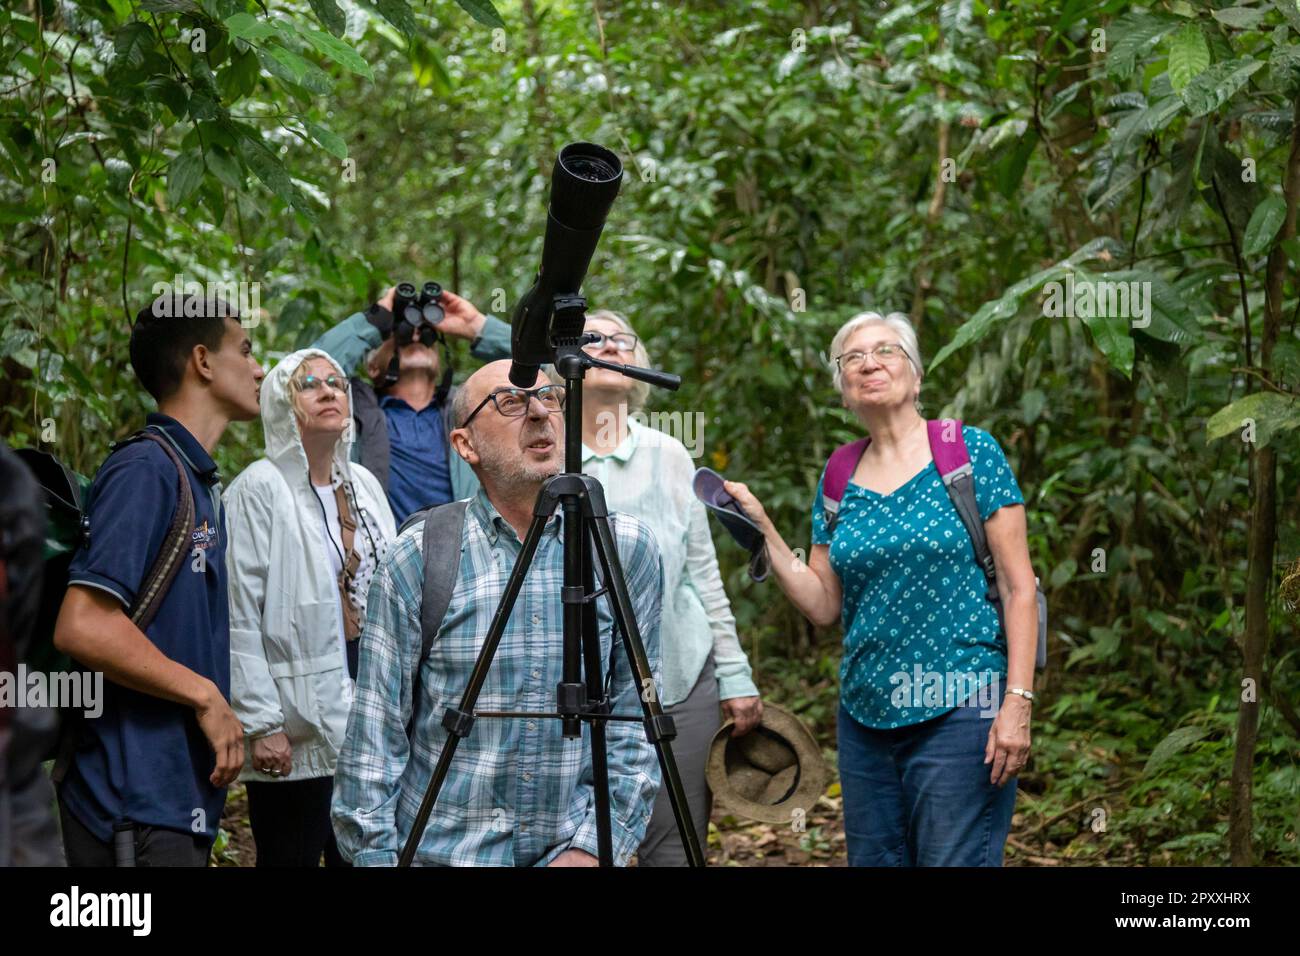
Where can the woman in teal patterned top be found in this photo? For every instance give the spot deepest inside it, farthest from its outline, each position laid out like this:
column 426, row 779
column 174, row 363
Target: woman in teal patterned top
column 934, row 697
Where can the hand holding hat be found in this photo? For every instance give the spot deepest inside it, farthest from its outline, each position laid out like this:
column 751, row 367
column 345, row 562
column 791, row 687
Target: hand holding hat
column 775, row 774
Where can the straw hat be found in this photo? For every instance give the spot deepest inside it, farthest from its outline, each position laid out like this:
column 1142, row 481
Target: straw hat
column 769, row 774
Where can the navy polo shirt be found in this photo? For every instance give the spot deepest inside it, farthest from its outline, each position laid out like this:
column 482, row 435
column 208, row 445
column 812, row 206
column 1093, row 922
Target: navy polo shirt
column 144, row 758
column 418, row 472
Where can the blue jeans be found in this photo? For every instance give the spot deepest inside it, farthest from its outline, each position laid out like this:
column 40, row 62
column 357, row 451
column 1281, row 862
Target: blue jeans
column 920, row 795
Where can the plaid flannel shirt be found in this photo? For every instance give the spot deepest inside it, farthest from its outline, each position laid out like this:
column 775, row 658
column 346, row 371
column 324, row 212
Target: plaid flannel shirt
column 517, row 793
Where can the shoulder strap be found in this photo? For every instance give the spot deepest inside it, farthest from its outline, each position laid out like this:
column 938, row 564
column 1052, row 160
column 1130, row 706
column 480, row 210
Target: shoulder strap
column 839, row 469
column 952, row 459
column 444, row 526
column 153, row 589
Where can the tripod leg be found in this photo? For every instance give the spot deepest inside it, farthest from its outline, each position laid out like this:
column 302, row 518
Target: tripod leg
column 655, row 719
column 594, row 672
column 457, row 722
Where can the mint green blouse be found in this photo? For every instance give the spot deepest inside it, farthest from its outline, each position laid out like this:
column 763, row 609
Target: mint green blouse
column 649, row 475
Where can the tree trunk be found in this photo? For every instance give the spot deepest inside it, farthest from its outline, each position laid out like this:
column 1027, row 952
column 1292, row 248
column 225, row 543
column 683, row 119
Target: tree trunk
column 1263, row 534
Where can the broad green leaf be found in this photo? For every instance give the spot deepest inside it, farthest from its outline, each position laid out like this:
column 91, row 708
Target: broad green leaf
column 1290, row 9
column 119, row 173
column 1239, row 18
column 1189, row 55
column 398, row 13
column 1174, row 744
column 248, row 27
column 329, row 14
column 184, row 174
column 1269, row 412
column 292, row 68
column 168, row 91
column 132, row 42
column 1284, row 68
column 338, row 51
column 170, row 6
column 1111, row 334
column 996, row 311
column 483, row 11
column 225, row 167
column 1217, row 84
column 1132, row 36
column 331, row 140
column 267, row 167
column 1263, row 226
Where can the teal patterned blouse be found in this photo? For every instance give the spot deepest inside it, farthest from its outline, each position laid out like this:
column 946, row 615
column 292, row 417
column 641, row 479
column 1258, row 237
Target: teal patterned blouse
column 919, row 634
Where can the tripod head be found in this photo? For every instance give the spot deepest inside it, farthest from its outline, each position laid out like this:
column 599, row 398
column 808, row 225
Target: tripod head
column 572, row 362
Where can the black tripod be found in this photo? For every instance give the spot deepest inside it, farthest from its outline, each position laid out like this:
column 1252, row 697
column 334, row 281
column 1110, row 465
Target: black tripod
column 586, row 529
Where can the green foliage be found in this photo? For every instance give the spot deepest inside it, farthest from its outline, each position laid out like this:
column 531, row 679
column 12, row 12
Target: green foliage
column 780, row 172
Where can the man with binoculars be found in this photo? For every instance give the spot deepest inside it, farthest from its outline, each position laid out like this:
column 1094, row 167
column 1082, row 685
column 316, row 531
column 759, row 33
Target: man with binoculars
column 402, row 423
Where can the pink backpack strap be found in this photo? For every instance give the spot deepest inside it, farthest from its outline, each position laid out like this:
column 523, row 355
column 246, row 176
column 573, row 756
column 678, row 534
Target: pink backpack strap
column 949, row 453
column 839, row 470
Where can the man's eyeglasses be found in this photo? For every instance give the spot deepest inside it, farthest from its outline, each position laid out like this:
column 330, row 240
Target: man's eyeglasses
column 623, row 341
column 885, row 353
column 311, row 383
column 513, row 402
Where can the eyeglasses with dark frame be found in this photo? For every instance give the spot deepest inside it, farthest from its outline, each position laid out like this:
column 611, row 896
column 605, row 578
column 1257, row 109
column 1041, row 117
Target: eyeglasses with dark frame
column 885, row 352
column 623, row 341
column 513, row 402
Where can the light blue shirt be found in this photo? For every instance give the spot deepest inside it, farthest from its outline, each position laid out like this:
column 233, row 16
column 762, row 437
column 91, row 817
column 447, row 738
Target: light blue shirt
column 518, row 793
column 649, row 475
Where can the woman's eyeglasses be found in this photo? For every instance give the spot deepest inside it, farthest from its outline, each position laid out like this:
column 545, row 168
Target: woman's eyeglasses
column 623, row 341
column 884, row 353
column 312, row 383
column 513, row 402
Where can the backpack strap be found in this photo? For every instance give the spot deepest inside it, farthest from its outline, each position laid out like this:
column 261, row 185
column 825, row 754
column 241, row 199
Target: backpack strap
column 174, row 547
column 153, row 588
column 839, row 470
column 952, row 459
column 444, row 528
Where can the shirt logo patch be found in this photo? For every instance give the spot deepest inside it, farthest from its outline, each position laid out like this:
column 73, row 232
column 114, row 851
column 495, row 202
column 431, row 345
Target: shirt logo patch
column 204, row 536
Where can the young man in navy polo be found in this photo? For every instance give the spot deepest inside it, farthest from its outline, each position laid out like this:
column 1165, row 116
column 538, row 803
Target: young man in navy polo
column 167, row 744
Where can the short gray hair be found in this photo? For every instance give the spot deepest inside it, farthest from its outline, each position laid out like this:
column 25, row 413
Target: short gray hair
column 460, row 406
column 636, row 398
column 898, row 321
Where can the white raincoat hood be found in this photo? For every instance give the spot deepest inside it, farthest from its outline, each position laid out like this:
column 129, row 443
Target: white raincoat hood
column 288, row 658
column 280, row 424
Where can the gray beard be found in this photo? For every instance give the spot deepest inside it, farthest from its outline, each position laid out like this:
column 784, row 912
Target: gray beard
column 511, row 472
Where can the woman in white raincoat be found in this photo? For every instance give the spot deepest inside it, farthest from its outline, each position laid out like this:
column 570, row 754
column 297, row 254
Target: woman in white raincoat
column 306, row 528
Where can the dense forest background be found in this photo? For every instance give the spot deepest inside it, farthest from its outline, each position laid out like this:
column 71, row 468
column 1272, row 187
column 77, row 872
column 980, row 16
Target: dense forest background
column 787, row 165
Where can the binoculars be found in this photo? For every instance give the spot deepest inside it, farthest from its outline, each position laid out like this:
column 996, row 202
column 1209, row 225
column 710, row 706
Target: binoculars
column 416, row 313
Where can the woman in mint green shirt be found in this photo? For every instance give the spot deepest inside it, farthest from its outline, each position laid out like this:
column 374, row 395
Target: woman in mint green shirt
column 647, row 473
column 934, row 697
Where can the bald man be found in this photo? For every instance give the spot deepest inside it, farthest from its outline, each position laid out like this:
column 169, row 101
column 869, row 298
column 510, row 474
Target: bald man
column 518, row 793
